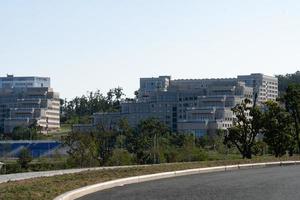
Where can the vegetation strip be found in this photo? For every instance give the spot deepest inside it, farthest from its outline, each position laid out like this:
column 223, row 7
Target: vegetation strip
column 50, row 187
column 29, row 175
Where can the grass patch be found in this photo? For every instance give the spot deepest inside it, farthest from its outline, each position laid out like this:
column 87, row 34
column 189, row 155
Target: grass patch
column 50, row 187
column 57, row 134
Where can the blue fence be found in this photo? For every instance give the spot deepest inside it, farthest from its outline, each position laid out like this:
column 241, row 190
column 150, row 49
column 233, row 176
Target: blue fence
column 37, row 148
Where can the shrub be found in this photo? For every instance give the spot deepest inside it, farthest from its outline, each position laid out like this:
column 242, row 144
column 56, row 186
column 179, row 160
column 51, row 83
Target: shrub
column 194, row 154
column 24, row 158
column 121, row 157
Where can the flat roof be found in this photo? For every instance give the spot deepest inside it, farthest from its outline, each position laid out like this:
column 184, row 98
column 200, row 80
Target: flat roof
column 29, row 77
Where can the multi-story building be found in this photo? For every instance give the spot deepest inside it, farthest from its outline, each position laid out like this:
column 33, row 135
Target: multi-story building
column 150, row 85
column 11, row 81
column 27, row 100
column 196, row 106
column 266, row 87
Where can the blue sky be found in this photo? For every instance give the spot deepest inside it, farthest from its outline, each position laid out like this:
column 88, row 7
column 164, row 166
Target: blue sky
column 89, row 45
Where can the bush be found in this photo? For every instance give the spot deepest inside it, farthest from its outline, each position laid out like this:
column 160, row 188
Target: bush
column 24, row 158
column 259, row 148
column 11, row 168
column 194, row 154
column 121, row 157
column 172, row 155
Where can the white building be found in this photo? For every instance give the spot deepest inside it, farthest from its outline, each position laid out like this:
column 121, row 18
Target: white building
column 266, row 87
column 26, row 100
column 150, row 85
column 195, row 106
column 11, row 81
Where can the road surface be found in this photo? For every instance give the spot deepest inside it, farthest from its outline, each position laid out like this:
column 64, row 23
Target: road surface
column 276, row 183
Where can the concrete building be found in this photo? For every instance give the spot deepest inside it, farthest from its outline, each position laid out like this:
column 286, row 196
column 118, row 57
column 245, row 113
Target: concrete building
column 266, row 87
column 25, row 100
column 195, row 106
column 150, row 85
column 11, row 81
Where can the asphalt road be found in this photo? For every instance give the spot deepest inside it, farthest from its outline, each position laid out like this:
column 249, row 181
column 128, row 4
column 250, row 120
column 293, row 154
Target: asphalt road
column 274, row 183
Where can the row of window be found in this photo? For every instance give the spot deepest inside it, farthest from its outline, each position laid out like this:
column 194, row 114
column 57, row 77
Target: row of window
column 187, row 98
column 227, row 125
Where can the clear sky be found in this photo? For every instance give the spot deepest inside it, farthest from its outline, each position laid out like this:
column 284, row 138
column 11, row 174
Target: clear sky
column 89, row 45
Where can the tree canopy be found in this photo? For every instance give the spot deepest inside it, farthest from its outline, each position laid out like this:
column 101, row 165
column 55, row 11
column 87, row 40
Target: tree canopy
column 245, row 129
column 79, row 109
column 277, row 128
column 285, row 80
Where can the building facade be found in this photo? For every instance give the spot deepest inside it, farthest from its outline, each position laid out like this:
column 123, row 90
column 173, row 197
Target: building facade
column 11, row 81
column 266, row 87
column 28, row 100
column 195, row 106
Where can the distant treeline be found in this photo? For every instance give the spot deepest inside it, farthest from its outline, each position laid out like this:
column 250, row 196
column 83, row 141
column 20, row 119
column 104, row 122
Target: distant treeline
column 285, row 80
column 79, row 109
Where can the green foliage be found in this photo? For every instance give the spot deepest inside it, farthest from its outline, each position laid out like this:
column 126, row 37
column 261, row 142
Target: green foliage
column 79, row 109
column 259, row 148
column 83, row 149
column 292, row 105
column 150, row 143
column 277, row 129
column 124, row 135
column 150, row 140
column 10, row 168
column 120, row 157
column 214, row 142
column 31, row 132
column 23, row 133
column 285, row 80
column 43, row 165
column 172, row 154
column 242, row 135
column 76, row 119
column 190, row 152
column 106, row 141
column 24, row 158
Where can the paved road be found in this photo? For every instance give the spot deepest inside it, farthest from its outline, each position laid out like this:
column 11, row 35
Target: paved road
column 274, row 183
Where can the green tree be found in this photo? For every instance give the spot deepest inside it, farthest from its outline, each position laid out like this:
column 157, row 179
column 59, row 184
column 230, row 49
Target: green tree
column 285, row 80
column 190, row 152
column 292, row 105
column 80, row 108
column 277, row 128
column 259, row 148
column 83, row 149
column 213, row 141
column 107, row 143
column 120, row 157
column 245, row 129
column 24, row 133
column 149, row 141
column 24, row 158
column 125, row 134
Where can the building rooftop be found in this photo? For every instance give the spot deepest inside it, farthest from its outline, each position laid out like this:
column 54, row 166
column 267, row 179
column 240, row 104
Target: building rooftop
column 205, row 79
column 9, row 76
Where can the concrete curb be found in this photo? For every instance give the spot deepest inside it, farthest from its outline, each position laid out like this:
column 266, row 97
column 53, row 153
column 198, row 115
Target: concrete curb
column 74, row 194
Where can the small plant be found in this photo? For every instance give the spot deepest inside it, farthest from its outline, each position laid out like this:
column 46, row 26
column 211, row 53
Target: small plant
column 24, row 158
